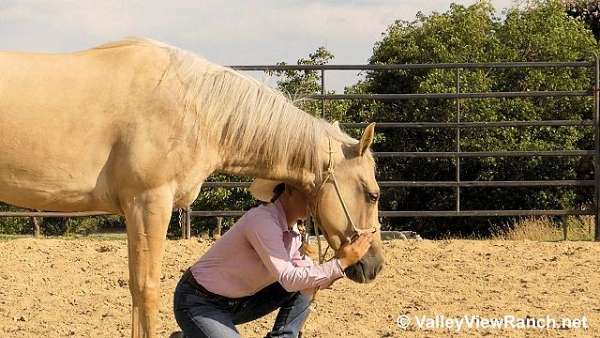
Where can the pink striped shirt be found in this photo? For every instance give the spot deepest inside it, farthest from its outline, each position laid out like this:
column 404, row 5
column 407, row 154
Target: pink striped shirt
column 257, row 251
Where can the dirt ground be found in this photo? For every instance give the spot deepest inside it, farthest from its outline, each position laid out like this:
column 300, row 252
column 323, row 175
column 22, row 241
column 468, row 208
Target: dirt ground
column 78, row 288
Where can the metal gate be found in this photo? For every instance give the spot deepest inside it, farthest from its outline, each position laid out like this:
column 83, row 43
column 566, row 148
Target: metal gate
column 457, row 125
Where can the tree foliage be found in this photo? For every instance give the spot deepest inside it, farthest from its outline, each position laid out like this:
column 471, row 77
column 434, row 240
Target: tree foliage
column 540, row 31
column 588, row 11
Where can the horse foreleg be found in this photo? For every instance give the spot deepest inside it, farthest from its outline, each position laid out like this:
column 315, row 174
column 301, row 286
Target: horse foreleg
column 147, row 215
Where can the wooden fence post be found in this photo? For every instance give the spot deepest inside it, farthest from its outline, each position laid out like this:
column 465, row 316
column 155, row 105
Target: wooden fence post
column 217, row 232
column 36, row 226
column 188, row 223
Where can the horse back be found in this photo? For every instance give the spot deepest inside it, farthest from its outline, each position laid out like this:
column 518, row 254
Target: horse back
column 66, row 119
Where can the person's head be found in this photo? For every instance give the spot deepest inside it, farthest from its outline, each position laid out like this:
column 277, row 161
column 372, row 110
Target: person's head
column 294, row 201
column 355, row 184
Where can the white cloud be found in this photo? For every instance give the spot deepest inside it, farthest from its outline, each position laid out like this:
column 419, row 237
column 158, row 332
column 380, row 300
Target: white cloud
column 227, row 32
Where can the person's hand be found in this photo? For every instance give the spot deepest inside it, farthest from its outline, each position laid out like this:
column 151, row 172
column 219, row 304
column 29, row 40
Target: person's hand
column 351, row 253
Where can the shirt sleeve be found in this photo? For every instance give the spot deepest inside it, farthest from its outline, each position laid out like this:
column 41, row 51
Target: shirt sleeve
column 267, row 240
column 299, row 260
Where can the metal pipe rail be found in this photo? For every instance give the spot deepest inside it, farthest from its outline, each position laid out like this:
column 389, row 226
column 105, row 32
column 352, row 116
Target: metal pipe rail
column 430, row 213
column 454, row 154
column 484, row 95
column 499, row 65
column 495, row 124
column 386, row 184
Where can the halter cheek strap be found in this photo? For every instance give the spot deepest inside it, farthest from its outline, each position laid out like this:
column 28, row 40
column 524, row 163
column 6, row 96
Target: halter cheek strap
column 331, row 176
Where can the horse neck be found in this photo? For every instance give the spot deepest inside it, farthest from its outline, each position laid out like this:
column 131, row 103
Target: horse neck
column 277, row 173
column 255, row 163
column 255, row 130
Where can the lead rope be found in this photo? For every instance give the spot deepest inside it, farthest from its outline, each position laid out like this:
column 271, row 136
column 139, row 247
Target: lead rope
column 318, row 241
column 316, row 219
column 355, row 232
column 316, row 226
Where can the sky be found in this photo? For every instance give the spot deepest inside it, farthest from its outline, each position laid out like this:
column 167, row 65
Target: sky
column 228, row 32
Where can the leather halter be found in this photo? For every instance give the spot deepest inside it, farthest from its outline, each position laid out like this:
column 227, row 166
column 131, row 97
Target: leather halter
column 355, row 231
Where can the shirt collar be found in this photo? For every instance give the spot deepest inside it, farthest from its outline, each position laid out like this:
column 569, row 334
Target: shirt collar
column 282, row 219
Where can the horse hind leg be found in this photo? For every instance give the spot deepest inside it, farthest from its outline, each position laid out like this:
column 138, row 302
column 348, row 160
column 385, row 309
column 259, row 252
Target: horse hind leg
column 147, row 216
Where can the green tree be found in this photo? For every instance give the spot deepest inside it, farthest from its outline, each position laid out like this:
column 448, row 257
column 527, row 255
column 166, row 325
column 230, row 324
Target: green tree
column 586, row 10
column 299, row 85
column 14, row 225
column 539, row 32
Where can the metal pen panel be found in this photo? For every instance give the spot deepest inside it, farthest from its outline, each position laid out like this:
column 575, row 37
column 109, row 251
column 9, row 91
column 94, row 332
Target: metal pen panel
column 458, row 124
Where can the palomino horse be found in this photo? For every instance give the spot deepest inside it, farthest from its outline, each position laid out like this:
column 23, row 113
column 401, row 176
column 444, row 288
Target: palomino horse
column 134, row 127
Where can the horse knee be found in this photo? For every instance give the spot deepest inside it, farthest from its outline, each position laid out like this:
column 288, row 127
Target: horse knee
column 145, row 294
column 150, row 296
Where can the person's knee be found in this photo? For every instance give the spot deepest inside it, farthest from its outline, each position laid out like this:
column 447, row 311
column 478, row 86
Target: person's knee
column 303, row 298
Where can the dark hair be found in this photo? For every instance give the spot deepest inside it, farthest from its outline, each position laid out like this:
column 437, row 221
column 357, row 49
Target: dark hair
column 277, row 191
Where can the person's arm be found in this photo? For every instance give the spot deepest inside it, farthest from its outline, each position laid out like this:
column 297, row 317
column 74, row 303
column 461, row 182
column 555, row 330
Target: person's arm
column 349, row 254
column 304, row 260
column 301, row 260
column 267, row 241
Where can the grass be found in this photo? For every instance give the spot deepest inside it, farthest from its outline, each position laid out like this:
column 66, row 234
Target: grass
column 578, row 228
column 92, row 237
column 105, row 236
column 4, row 237
column 112, row 236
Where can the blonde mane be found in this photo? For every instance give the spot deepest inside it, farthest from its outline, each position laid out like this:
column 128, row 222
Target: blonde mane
column 246, row 116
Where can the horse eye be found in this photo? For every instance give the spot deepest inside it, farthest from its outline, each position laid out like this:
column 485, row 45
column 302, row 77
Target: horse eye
column 373, row 197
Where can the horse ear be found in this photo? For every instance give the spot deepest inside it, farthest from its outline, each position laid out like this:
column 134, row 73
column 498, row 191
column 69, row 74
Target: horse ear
column 336, row 124
column 366, row 139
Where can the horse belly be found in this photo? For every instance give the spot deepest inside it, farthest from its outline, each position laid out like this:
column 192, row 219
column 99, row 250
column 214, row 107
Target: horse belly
column 54, row 141
column 49, row 180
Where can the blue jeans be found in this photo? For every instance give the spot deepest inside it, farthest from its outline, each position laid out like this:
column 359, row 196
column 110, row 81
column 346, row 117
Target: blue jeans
column 205, row 316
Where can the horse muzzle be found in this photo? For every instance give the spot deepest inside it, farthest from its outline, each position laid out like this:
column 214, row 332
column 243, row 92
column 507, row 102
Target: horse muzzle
column 365, row 270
